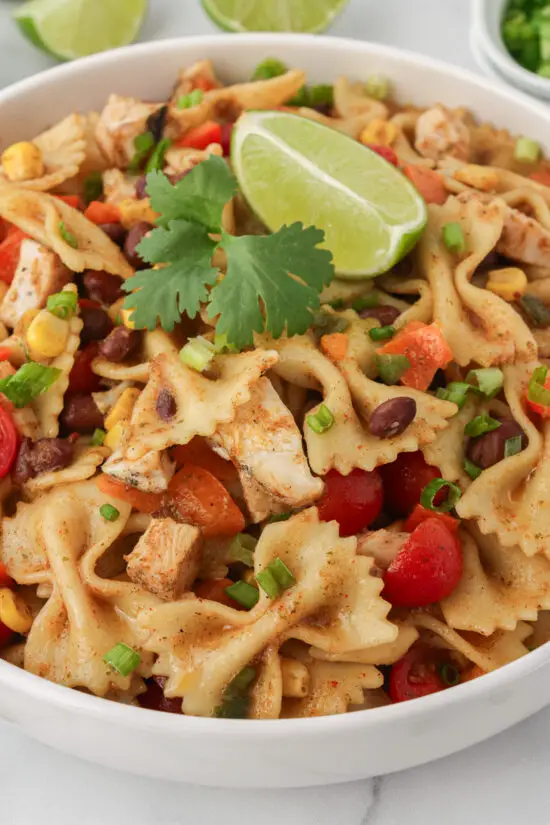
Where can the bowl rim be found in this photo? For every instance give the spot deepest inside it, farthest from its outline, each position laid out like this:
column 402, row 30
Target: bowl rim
column 68, row 699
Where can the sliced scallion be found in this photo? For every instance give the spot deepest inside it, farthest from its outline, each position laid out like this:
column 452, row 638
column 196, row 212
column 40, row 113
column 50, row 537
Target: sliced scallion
column 487, row 381
column 391, row 367
column 453, row 238
column 321, row 95
column 512, row 446
column 235, row 699
column 538, row 314
column 192, row 99
column 368, row 301
column 431, row 490
column 321, row 421
column 156, row 159
column 378, row 87
column 242, row 549
column 526, row 150
column 62, row 304
column 278, row 517
column 245, row 594
column 268, row 68
column 275, row 578
column 122, row 658
column 67, row 235
column 537, row 391
column 472, row 469
column 143, row 145
column 480, row 425
column 325, row 323
column 450, row 674
column 93, row 187
column 456, row 391
column 382, row 333
column 98, row 437
column 198, row 353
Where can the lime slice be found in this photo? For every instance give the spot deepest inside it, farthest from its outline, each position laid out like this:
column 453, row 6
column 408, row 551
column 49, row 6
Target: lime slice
column 75, row 28
column 273, row 15
column 293, row 169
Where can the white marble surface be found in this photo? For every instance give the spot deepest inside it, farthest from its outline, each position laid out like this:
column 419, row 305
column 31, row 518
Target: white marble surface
column 501, row 782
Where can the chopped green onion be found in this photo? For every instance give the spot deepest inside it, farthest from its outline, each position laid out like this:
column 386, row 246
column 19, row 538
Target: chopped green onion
column 275, row 578
column 456, row 391
column 268, row 583
column 378, row 87
column 143, row 144
column 450, row 675
column 538, row 314
column 480, row 425
column 391, row 367
column 30, row 381
column 372, row 299
column 302, row 98
column 321, row 421
column 279, row 517
column 221, row 343
column 245, row 594
column 325, row 323
column 431, row 490
column 382, row 333
column 453, row 238
column 242, row 549
column 268, row 68
column 118, row 320
column 122, row 658
column 544, row 70
column 98, row 437
column 321, row 95
column 472, row 469
column 526, row 150
column 192, row 99
column 109, row 512
column 537, row 391
column 337, row 304
column 67, row 236
column 512, row 446
column 198, row 353
column 62, row 304
column 235, row 702
column 93, row 187
column 489, row 381
column 156, row 160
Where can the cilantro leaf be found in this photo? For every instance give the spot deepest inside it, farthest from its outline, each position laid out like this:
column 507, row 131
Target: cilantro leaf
column 262, row 267
column 200, row 196
column 181, row 286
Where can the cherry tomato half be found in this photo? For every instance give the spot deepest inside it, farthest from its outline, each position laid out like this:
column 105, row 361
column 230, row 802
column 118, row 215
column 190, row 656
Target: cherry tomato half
column 384, row 152
column 214, row 590
column 154, row 698
column 427, row 568
column 404, row 481
column 415, row 675
column 5, row 578
column 81, row 378
column 354, row 501
column 420, row 514
column 8, row 442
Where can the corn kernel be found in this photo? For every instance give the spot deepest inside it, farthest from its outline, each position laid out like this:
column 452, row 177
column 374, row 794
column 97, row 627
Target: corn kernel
column 295, row 678
column 380, row 132
column 14, row 613
column 114, row 437
column 47, row 335
column 480, row 177
column 133, row 211
column 509, row 283
column 122, row 410
column 22, row 161
column 126, row 318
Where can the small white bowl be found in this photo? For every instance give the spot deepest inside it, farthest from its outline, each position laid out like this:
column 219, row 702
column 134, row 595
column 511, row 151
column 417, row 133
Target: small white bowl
column 493, row 57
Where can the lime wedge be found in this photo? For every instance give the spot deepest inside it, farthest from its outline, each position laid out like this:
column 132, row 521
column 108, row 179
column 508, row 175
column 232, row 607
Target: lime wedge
column 75, row 28
column 293, row 169
column 273, row 15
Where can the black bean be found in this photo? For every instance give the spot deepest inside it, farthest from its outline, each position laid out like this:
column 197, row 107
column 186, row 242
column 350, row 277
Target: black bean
column 133, row 238
column 115, row 231
column 392, row 417
column 120, row 344
column 43, row 456
column 488, row 449
column 102, row 287
column 22, row 469
column 81, row 414
column 156, row 123
column 141, row 188
column 97, row 324
column 385, row 314
column 166, row 405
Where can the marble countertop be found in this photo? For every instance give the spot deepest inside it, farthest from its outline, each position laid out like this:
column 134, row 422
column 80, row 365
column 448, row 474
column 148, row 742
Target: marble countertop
column 501, row 782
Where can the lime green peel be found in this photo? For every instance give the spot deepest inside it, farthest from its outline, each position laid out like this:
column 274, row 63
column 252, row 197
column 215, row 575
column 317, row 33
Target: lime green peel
column 68, row 29
column 293, row 169
column 310, row 16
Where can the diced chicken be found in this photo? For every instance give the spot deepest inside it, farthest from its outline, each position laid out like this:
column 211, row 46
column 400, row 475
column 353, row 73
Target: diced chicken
column 525, row 240
column 166, row 558
column 117, row 186
column 381, row 545
column 106, row 400
column 150, row 473
column 39, row 273
column 199, row 75
column 120, row 122
column 259, row 503
column 440, row 132
column 264, row 442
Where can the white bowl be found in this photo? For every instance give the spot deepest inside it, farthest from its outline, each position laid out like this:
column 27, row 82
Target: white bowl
column 279, row 753
column 492, row 55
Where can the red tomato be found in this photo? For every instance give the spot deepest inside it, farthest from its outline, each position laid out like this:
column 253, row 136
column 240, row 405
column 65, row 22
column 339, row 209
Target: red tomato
column 544, row 412
column 227, row 131
column 384, row 152
column 10, row 249
column 6, row 635
column 199, row 137
column 5, row 353
column 71, row 200
column 415, row 675
column 154, row 698
column 81, row 378
column 8, row 442
column 404, row 481
column 214, row 591
column 420, row 514
column 427, row 568
column 5, row 578
column 354, row 501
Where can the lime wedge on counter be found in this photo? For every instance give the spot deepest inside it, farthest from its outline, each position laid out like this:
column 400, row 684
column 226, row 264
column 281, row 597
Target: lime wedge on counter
column 75, row 28
column 293, row 169
column 273, row 15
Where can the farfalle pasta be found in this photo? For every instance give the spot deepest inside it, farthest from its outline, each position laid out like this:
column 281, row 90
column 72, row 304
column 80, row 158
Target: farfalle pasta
column 238, row 479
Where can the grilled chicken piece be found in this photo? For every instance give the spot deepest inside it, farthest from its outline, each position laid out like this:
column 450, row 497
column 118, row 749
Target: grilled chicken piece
column 120, row 122
column 382, row 545
column 39, row 273
column 151, row 473
column 440, row 132
column 166, row 558
column 265, row 444
column 525, row 240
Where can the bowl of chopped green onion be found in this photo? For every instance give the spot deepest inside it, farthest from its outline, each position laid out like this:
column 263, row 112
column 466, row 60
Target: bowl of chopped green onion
column 512, row 41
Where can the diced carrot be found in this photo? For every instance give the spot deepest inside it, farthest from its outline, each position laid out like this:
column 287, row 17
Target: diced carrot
column 420, row 514
column 202, row 500
column 201, row 136
column 5, row 578
column 144, row 502
column 426, row 349
column 335, row 345
column 542, row 176
column 71, row 200
column 98, row 212
column 429, row 183
column 214, row 591
column 10, row 249
column 198, row 452
column 203, row 83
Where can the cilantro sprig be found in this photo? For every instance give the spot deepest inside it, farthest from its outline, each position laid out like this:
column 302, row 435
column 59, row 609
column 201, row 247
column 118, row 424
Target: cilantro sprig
column 272, row 283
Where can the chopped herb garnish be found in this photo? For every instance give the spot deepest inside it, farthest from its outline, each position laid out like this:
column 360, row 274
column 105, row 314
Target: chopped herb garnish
column 98, row 437
column 192, row 99
column 472, row 469
column 143, row 145
column 450, row 674
column 302, row 98
column 198, row 353
column 537, row 391
column 378, row 87
column 122, row 658
column 235, row 699
column 242, row 549
column 93, row 187
column 279, row 517
column 487, row 382
column 537, row 313
column 526, row 150
column 156, row 159
column 321, row 421
column 430, row 491
column 456, row 391
column 391, row 367
column 30, row 381
column 109, row 512
column 62, row 304
column 268, row 68
column 453, row 238
column 512, row 446
column 325, row 323
column 68, row 236
column 480, row 425
column 372, row 299
column 321, row 95
column 382, row 333
column 275, row 578
column 244, row 593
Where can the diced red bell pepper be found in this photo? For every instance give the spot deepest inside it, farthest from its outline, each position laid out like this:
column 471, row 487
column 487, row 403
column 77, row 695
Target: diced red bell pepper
column 201, row 136
column 426, row 349
column 10, row 249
